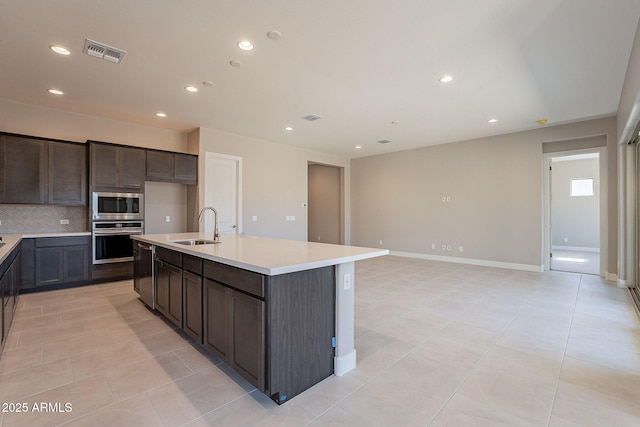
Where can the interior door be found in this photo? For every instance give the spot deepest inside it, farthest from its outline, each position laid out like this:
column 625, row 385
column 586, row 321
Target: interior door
column 222, row 192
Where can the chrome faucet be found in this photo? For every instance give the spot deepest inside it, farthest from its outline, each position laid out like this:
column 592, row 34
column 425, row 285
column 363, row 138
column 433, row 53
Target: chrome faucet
column 216, row 235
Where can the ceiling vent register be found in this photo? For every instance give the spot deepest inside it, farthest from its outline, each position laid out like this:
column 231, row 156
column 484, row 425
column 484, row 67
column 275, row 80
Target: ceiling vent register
column 103, row 51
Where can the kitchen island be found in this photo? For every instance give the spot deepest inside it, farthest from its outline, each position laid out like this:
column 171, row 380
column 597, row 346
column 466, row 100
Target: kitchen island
column 280, row 312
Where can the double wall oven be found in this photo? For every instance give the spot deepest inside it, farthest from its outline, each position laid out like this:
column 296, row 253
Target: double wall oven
column 115, row 217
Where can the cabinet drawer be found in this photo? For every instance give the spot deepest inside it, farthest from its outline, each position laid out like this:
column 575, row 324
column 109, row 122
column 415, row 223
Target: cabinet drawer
column 48, row 242
column 192, row 264
column 243, row 280
column 169, row 256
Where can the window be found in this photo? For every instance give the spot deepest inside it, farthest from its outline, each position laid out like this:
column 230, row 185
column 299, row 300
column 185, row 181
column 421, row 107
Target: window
column 581, row 187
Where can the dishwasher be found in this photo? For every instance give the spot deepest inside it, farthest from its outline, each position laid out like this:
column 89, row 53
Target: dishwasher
column 143, row 273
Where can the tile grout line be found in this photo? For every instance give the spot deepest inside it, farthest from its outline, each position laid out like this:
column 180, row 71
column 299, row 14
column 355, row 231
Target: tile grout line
column 564, row 352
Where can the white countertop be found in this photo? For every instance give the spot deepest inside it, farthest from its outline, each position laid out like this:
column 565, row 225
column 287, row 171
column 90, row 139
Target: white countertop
column 262, row 254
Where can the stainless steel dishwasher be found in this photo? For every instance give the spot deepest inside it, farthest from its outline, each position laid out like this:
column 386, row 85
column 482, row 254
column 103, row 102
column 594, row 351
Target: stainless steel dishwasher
column 143, row 255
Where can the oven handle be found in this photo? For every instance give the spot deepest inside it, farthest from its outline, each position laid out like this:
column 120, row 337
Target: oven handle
column 115, row 232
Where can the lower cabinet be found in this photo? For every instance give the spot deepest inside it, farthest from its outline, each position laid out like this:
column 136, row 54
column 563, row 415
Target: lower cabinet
column 192, row 305
column 59, row 260
column 234, row 330
column 9, row 289
column 169, row 291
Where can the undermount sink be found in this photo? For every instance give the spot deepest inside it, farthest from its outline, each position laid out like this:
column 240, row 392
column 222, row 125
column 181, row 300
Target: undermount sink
column 194, row 242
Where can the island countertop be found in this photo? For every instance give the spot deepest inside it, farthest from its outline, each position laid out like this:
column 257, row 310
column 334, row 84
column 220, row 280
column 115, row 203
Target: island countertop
column 263, row 255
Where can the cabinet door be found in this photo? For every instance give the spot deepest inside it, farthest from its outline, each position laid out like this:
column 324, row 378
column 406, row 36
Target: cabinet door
column 104, row 165
column 192, row 305
column 159, row 165
column 169, row 292
column 23, row 164
column 216, row 318
column 162, row 287
column 49, row 266
column 76, row 263
column 67, row 174
column 28, row 264
column 247, row 329
column 186, row 168
column 131, row 168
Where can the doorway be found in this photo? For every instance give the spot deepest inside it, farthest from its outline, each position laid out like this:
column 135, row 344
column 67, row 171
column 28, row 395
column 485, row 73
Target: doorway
column 325, row 207
column 574, row 212
column 223, row 191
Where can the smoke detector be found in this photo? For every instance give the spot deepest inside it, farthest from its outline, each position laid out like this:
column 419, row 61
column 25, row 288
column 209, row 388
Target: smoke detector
column 103, row 51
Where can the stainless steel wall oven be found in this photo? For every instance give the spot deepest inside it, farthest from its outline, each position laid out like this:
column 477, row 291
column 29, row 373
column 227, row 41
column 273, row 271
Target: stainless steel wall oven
column 112, row 240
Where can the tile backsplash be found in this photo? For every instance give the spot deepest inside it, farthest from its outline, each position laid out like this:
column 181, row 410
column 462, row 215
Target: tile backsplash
column 41, row 218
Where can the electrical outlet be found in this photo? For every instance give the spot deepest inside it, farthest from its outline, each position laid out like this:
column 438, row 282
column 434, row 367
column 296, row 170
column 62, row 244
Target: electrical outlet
column 254, row 218
column 444, row 199
column 460, row 249
column 64, row 221
column 381, row 242
column 433, row 246
column 347, row 281
column 167, row 218
column 444, row 247
column 448, row 247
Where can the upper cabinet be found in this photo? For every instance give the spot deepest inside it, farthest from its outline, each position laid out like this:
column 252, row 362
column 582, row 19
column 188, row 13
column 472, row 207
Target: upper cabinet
column 67, row 174
column 37, row 171
column 171, row 167
column 116, row 167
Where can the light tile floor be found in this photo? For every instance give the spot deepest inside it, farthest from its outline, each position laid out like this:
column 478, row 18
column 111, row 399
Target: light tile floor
column 437, row 344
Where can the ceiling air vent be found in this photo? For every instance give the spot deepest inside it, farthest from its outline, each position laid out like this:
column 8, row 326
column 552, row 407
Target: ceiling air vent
column 101, row 50
column 312, row 117
column 384, row 141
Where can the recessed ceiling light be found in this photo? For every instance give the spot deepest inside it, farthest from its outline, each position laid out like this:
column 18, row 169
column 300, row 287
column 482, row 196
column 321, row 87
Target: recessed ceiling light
column 56, row 91
column 161, row 114
column 61, row 50
column 492, row 121
column 191, row 88
column 446, row 78
column 245, row 45
column 288, row 128
column 358, row 147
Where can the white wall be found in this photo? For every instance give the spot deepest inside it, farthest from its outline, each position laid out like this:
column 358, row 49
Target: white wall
column 495, row 186
column 274, row 181
column 575, row 220
column 57, row 124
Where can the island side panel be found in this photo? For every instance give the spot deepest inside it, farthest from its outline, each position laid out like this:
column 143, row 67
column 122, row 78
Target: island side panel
column 300, row 318
column 345, row 355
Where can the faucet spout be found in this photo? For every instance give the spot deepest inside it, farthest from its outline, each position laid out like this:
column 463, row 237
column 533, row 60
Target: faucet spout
column 216, row 235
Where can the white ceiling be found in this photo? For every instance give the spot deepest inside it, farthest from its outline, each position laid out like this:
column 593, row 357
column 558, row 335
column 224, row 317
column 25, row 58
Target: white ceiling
column 359, row 64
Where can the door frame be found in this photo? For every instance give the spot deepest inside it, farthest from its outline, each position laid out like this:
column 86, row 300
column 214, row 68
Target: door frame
column 603, row 196
column 208, row 156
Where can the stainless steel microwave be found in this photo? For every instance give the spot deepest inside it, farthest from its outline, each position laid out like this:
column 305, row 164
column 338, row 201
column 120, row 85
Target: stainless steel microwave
column 117, row 206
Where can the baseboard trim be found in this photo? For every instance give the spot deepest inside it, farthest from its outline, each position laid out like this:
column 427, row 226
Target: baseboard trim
column 471, row 261
column 574, row 248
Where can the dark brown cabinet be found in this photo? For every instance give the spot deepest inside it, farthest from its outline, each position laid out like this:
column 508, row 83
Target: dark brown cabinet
column 61, row 260
column 234, row 319
column 23, row 170
column 37, row 171
column 192, row 305
column 9, row 289
column 116, row 167
column 166, row 166
column 168, row 284
column 67, row 174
